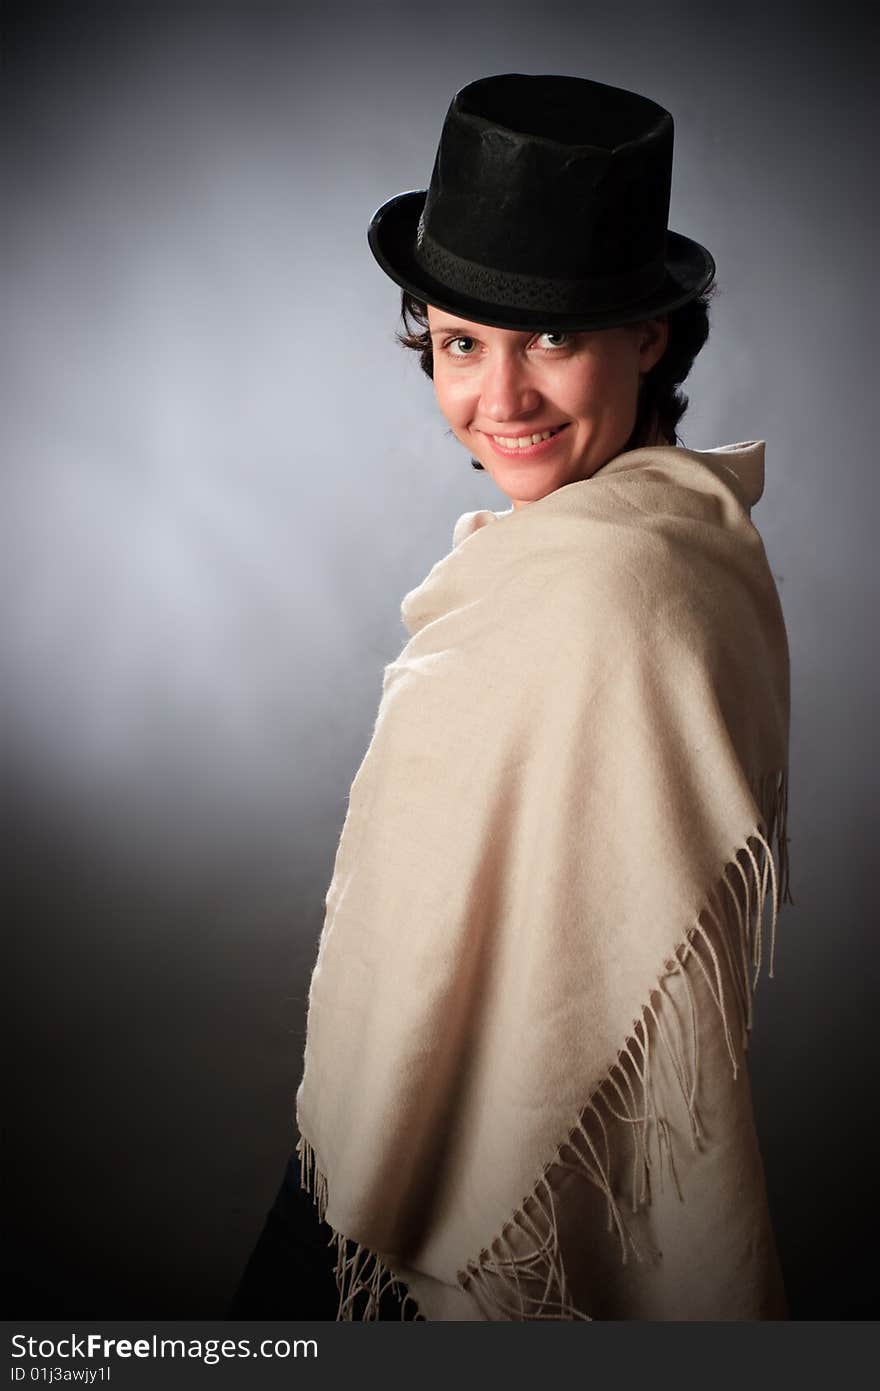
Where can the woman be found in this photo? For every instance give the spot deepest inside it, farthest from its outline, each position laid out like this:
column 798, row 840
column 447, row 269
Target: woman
column 525, row 1093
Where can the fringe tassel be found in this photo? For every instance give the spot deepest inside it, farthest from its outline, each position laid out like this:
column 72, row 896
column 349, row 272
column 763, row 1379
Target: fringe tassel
column 359, row 1272
column 496, row 1278
column 533, row 1286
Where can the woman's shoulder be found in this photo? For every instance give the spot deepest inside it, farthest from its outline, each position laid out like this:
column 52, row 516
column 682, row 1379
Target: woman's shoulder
column 634, row 586
column 660, row 536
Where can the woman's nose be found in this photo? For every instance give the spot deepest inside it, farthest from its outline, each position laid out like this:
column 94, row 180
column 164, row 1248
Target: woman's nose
column 507, row 390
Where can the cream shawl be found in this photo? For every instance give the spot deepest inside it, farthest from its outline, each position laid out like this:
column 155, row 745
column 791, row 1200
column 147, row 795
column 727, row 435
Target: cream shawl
column 525, row 1093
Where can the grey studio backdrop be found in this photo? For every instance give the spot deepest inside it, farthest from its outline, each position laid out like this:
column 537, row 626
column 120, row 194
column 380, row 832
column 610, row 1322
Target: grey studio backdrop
column 221, row 476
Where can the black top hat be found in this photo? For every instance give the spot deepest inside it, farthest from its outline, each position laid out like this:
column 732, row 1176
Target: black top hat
column 547, row 207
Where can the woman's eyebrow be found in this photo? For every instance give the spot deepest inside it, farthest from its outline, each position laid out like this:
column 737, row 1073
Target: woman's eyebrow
column 449, row 328
column 466, row 332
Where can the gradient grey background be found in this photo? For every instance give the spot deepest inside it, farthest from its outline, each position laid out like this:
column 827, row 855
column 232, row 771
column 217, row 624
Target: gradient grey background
column 221, row 476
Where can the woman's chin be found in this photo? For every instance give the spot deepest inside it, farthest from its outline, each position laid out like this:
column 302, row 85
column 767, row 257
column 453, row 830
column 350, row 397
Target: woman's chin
column 527, row 483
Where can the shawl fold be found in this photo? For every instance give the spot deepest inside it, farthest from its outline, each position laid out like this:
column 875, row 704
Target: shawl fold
column 524, row 1092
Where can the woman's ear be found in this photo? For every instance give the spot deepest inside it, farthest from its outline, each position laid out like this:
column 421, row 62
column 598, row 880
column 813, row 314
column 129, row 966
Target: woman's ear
column 653, row 338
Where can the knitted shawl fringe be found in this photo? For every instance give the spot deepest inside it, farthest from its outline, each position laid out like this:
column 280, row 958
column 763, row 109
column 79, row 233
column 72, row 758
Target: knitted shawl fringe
column 501, row 1280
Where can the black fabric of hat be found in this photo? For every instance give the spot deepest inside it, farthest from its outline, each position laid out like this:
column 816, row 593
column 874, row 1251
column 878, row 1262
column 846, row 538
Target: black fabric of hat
column 548, row 206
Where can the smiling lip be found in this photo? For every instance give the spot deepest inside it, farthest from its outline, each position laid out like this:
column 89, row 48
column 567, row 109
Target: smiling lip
column 531, row 451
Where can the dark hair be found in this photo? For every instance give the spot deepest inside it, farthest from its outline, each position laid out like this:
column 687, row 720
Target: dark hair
column 661, row 403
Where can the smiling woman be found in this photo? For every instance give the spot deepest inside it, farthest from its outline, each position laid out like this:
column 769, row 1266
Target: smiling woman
column 659, row 405
column 572, row 402
column 525, row 1092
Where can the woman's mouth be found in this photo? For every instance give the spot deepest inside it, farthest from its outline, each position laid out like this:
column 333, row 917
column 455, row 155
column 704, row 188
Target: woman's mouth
column 526, row 446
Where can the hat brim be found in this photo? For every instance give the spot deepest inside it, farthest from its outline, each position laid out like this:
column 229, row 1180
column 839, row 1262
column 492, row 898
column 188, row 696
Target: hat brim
column 392, row 239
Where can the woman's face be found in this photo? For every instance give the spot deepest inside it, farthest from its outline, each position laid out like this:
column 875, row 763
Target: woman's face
column 497, row 387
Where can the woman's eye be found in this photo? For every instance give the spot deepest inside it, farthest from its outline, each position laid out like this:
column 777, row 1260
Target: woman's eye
column 456, row 343
column 557, row 334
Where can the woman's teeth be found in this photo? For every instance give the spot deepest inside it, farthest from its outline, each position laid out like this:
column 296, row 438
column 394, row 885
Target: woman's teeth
column 525, row 441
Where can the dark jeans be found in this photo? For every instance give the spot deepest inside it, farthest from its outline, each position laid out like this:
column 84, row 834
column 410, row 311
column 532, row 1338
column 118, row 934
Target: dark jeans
column 290, row 1271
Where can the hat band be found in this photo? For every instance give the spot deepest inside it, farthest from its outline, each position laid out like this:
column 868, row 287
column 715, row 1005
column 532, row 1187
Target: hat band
column 541, row 293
